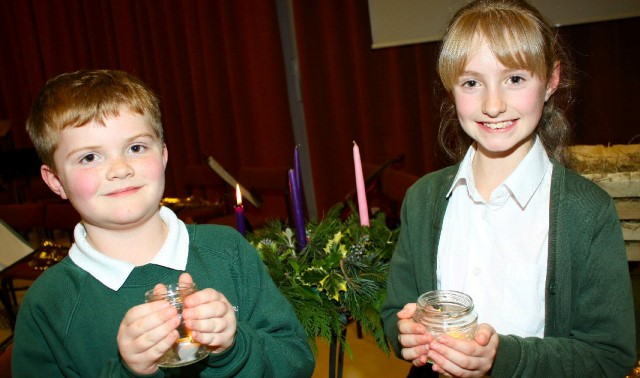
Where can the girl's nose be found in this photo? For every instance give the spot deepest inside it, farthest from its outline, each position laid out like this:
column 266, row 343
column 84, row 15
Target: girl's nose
column 494, row 103
column 120, row 168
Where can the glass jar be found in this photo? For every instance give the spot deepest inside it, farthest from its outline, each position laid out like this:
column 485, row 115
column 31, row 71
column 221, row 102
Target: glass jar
column 185, row 351
column 447, row 312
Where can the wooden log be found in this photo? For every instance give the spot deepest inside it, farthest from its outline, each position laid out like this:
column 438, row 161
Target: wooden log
column 599, row 158
column 633, row 251
column 630, row 230
column 628, row 208
column 619, row 184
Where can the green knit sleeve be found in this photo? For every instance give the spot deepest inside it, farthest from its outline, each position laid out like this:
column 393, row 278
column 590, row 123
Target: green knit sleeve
column 401, row 288
column 270, row 341
column 589, row 325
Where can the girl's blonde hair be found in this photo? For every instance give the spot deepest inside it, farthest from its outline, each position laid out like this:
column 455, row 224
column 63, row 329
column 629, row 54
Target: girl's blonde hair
column 520, row 38
column 78, row 98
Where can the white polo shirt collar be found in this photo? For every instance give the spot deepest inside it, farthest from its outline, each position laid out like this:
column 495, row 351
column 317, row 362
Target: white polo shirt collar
column 523, row 181
column 113, row 272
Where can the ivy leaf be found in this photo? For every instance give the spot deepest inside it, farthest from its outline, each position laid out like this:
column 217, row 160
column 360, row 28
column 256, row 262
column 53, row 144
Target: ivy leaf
column 337, row 253
column 312, row 276
column 306, row 293
column 333, row 284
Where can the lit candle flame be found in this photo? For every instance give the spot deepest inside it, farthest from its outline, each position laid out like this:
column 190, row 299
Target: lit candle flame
column 238, row 195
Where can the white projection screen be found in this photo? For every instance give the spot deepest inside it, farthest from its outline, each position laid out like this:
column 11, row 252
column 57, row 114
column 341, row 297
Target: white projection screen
column 402, row 22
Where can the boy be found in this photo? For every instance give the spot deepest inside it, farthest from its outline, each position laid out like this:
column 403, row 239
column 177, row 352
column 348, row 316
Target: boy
column 100, row 137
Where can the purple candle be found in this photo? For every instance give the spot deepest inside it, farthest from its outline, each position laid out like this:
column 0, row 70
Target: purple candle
column 240, row 221
column 298, row 213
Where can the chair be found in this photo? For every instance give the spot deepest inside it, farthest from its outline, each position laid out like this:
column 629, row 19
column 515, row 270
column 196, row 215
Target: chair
column 28, row 268
column 202, row 182
column 204, row 185
column 269, row 185
column 15, row 250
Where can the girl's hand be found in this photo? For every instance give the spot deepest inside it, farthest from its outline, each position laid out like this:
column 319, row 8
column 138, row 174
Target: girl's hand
column 413, row 337
column 146, row 332
column 465, row 358
column 210, row 317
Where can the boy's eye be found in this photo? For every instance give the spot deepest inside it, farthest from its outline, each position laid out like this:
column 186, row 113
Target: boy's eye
column 516, row 79
column 88, row 158
column 137, row 148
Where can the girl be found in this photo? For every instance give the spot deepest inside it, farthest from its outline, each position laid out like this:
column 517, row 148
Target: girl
column 537, row 247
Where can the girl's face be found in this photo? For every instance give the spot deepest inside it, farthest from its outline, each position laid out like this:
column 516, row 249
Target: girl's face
column 499, row 107
column 112, row 174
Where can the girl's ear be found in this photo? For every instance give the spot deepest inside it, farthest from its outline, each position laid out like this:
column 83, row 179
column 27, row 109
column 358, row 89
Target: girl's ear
column 52, row 181
column 553, row 82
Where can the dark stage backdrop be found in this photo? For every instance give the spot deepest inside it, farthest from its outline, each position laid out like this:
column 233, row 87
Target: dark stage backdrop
column 217, row 66
column 219, row 70
column 386, row 98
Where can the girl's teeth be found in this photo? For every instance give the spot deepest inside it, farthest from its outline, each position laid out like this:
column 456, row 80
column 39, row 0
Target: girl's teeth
column 498, row 125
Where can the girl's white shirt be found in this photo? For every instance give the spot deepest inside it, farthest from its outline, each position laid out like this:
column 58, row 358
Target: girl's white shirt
column 113, row 272
column 496, row 251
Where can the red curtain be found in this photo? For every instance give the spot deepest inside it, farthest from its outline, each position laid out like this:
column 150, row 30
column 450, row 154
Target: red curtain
column 382, row 99
column 608, row 78
column 386, row 100
column 217, row 66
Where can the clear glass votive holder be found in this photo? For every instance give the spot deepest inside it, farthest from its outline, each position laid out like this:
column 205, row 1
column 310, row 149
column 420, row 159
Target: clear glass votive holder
column 184, row 351
column 447, row 312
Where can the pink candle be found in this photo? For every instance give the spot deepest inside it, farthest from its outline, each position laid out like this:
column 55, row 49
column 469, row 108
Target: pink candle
column 362, row 193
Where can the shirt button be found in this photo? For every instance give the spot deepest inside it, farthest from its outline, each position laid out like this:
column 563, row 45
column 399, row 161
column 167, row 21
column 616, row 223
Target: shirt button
column 477, row 271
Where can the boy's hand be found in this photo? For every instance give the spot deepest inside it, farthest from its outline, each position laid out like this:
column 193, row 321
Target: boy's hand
column 210, row 317
column 413, row 336
column 146, row 332
column 465, row 358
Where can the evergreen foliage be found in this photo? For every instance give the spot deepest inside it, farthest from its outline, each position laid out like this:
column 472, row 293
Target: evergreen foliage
column 340, row 275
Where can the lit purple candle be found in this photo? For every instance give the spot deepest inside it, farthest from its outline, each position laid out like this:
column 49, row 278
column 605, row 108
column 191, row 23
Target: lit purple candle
column 240, row 221
column 298, row 213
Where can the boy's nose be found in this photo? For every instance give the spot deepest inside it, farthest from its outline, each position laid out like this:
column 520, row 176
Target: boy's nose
column 494, row 103
column 120, row 168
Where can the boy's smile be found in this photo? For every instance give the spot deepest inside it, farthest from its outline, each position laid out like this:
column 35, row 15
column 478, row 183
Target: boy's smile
column 113, row 174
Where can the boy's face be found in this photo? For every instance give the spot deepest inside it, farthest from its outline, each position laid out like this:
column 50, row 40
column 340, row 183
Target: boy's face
column 500, row 107
column 112, row 174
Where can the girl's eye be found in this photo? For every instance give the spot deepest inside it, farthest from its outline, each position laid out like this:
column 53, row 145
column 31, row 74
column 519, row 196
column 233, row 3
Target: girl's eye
column 470, row 83
column 137, row 148
column 88, row 158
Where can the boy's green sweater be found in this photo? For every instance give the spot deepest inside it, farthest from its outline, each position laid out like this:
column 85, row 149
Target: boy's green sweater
column 589, row 322
column 68, row 322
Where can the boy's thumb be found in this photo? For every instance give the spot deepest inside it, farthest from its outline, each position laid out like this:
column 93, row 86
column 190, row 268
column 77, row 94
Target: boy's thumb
column 185, row 278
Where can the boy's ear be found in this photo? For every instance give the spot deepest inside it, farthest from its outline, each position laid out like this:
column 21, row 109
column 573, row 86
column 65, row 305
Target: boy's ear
column 52, row 181
column 165, row 154
column 554, row 80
